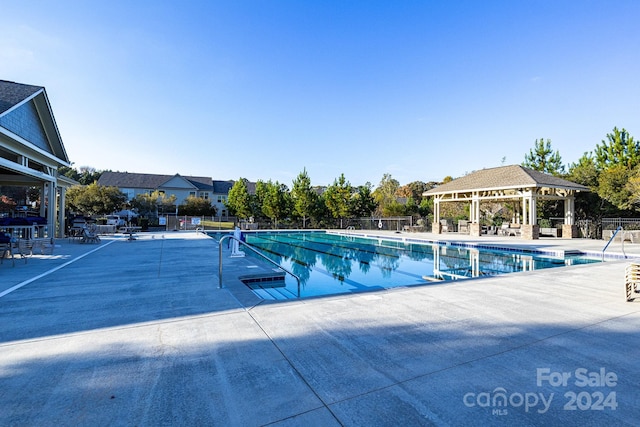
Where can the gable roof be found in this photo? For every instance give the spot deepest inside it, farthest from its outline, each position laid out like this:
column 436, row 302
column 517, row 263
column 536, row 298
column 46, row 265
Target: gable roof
column 504, row 177
column 26, row 114
column 12, row 94
column 150, row 181
column 222, row 187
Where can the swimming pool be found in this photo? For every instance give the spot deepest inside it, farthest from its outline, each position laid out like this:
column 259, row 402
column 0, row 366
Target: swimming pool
column 329, row 264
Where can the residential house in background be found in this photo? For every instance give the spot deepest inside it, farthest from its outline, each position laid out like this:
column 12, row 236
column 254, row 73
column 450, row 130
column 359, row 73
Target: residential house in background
column 182, row 187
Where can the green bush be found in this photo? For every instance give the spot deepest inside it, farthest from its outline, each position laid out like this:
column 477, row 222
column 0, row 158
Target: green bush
column 545, row 223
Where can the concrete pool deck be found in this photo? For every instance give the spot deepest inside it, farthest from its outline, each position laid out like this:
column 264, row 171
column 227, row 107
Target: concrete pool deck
column 138, row 333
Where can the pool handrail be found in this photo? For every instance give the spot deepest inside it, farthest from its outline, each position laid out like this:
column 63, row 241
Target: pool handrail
column 255, row 251
column 611, row 240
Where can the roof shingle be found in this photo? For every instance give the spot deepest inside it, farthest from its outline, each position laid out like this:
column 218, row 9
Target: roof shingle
column 12, row 93
column 512, row 176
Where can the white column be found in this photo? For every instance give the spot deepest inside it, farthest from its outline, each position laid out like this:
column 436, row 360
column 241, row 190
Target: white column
column 533, row 212
column 474, row 212
column 569, row 210
column 43, row 199
column 51, row 208
column 61, row 212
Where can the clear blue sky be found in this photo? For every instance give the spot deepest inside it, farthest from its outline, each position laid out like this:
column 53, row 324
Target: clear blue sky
column 263, row 89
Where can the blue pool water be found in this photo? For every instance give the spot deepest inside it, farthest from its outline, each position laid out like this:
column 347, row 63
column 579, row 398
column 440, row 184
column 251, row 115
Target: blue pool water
column 330, row 264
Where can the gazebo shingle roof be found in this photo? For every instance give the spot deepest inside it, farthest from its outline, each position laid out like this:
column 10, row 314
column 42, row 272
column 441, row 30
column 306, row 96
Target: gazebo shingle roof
column 12, row 93
column 513, row 176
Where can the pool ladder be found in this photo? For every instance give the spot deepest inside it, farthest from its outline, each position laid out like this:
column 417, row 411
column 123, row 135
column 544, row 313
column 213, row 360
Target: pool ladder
column 613, row 236
column 255, row 251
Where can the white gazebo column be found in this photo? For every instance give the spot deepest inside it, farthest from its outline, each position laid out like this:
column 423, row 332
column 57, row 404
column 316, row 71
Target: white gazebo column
column 61, row 212
column 435, row 227
column 533, row 212
column 569, row 229
column 530, row 229
column 51, row 208
column 474, row 216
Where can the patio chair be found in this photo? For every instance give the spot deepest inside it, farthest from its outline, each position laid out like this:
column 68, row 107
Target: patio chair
column 5, row 248
column 44, row 246
column 25, row 247
column 89, row 235
column 631, row 280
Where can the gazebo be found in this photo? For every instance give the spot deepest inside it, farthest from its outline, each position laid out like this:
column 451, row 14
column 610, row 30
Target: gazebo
column 31, row 149
column 508, row 183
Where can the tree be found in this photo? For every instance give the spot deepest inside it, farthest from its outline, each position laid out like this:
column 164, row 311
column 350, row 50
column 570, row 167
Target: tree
column 238, row 202
column 33, row 195
column 338, row 196
column 303, row 196
column 95, row 199
column 362, row 203
column 152, row 204
column 196, row 206
column 411, row 207
column 7, row 204
column 385, row 193
column 394, row 209
column 257, row 200
column 414, row 190
column 542, row 158
column 85, row 176
column 277, row 202
column 426, row 206
column 619, row 149
column 612, row 186
column 585, row 172
column 633, row 187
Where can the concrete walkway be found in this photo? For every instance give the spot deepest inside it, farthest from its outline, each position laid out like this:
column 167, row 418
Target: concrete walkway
column 138, row 333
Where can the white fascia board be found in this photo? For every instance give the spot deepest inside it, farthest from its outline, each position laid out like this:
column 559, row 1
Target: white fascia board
column 24, row 101
column 22, row 147
column 7, row 164
column 54, row 125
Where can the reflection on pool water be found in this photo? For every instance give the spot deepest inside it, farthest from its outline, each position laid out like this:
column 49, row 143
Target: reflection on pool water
column 330, row 264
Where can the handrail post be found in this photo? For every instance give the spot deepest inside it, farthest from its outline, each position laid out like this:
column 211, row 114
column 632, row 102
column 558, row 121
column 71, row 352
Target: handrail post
column 220, row 264
column 613, row 237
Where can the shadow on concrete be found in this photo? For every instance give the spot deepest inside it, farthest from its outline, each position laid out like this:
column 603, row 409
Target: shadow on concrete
column 123, row 283
column 197, row 373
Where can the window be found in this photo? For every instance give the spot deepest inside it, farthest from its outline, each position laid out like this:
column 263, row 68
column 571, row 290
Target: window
column 129, row 192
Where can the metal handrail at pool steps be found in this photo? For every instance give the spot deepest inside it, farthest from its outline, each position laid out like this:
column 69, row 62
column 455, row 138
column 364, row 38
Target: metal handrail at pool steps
column 255, row 251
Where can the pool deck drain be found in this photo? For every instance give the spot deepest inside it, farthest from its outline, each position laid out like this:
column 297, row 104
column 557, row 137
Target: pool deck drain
column 138, row 333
